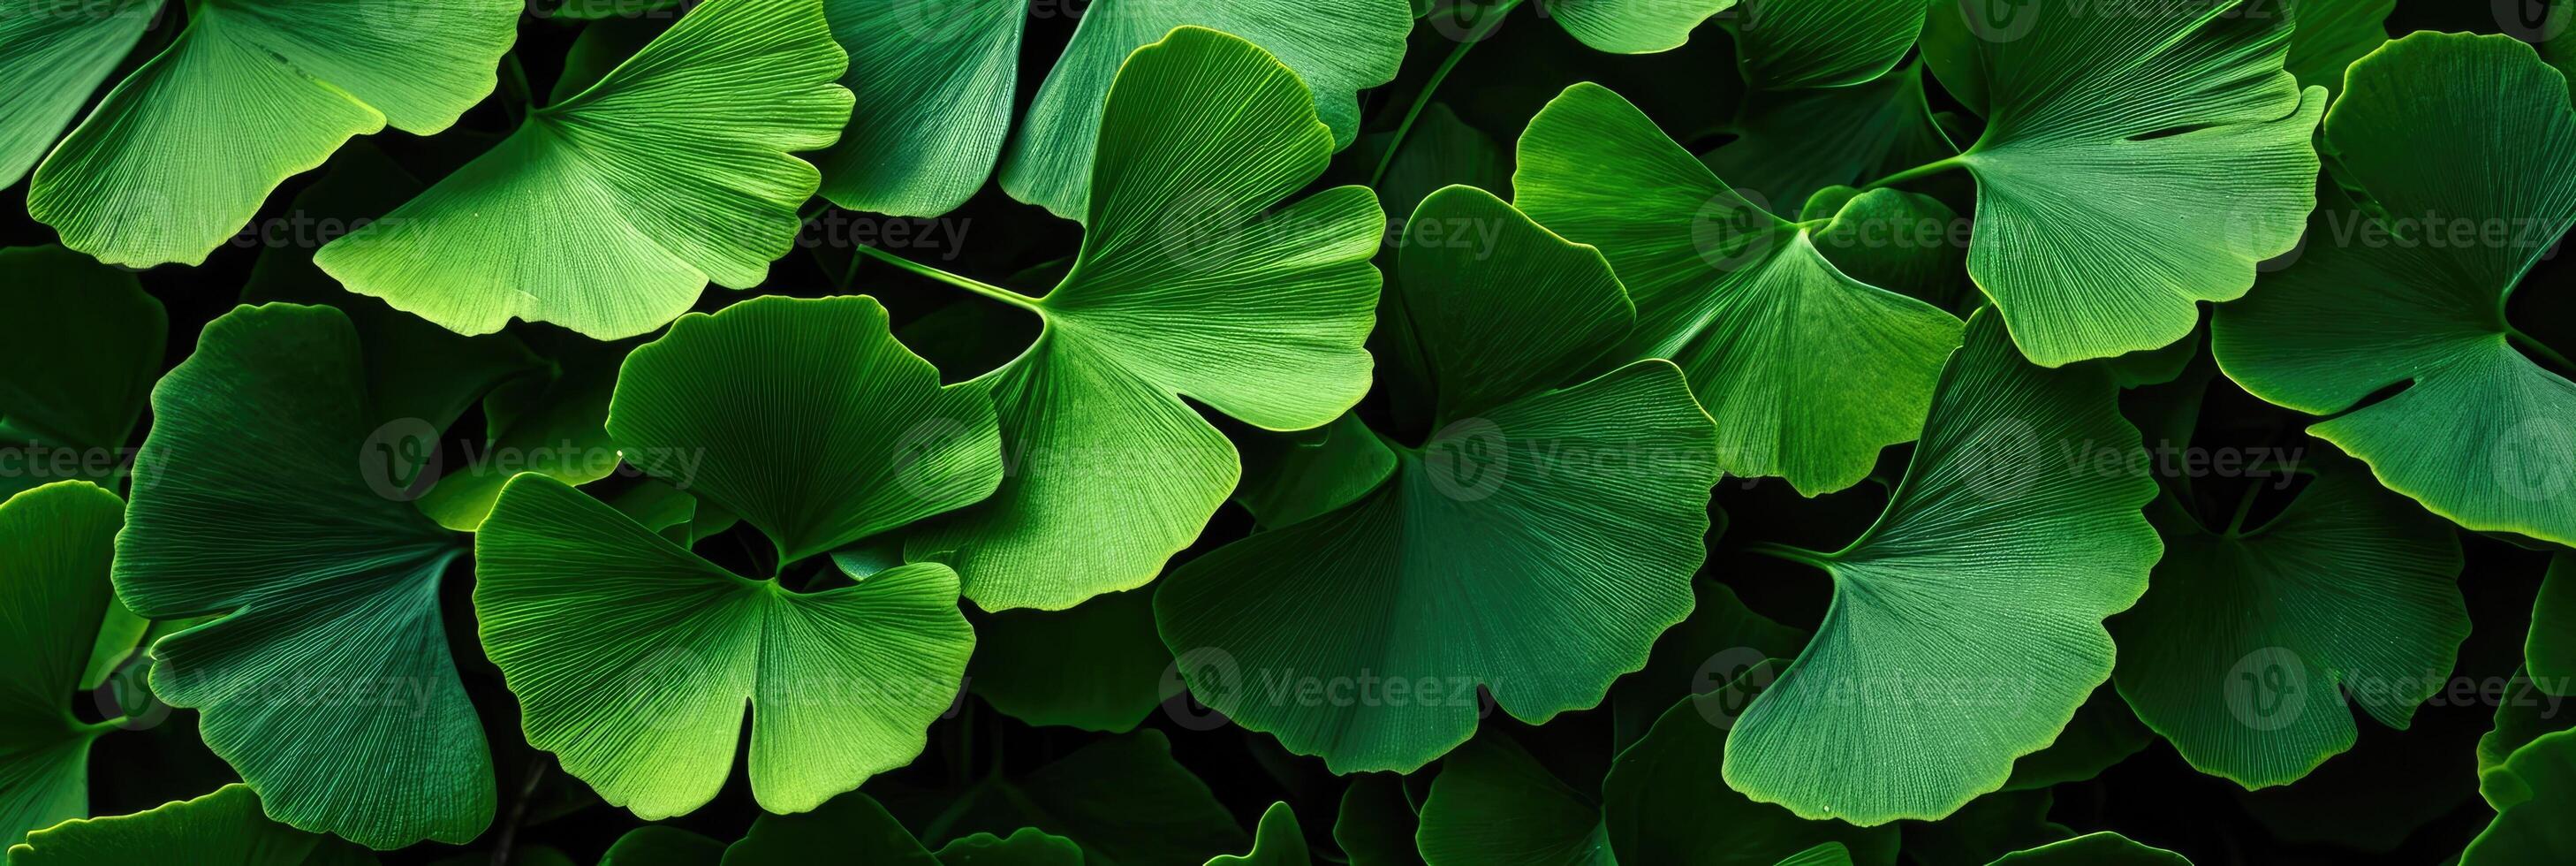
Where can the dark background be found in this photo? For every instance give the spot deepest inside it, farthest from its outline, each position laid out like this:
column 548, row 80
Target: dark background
column 2398, row 797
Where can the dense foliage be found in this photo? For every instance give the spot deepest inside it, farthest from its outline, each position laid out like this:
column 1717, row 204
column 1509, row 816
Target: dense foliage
column 1146, row 432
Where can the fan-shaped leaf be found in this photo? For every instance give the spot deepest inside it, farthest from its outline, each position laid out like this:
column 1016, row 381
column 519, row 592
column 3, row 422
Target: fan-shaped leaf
column 607, row 213
column 1966, row 625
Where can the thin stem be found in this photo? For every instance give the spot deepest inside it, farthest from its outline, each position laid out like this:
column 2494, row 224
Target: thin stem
column 934, row 274
column 2533, row 345
column 515, row 91
column 1918, row 172
column 1493, row 17
column 1791, row 553
column 2244, row 506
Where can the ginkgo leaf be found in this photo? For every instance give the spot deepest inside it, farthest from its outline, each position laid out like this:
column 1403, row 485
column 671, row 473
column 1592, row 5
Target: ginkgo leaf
column 76, row 368
column 2103, row 733
column 675, row 167
column 840, row 683
column 278, row 500
column 1333, row 48
column 1194, row 278
column 1966, row 625
column 55, row 543
column 2132, row 165
column 1583, row 506
column 1022, row 667
column 1808, row 371
column 2330, row 34
column 2532, row 794
column 2239, row 652
column 54, row 60
column 1634, row 26
column 1278, row 841
column 920, row 147
column 1125, row 800
column 805, row 418
column 2450, row 133
column 1375, row 824
column 1494, row 803
column 2094, row 849
column 550, row 420
column 1027, row 846
column 178, row 156
column 1811, row 44
column 2550, row 649
column 663, row 845
column 224, row 827
column 1824, row 854
column 1661, row 804
column 1293, row 476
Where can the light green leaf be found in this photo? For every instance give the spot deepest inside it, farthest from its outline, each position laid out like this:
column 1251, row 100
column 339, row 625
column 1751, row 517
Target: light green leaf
column 268, row 493
column 2094, row 849
column 1584, row 506
column 2525, row 711
column 177, row 157
column 1334, row 48
column 1808, row 371
column 671, row 647
column 921, row 146
column 1277, row 842
column 1098, row 666
column 1493, row 803
column 1194, row 279
column 2483, row 436
column 55, row 543
column 805, row 418
column 2241, row 650
column 1809, row 44
column 675, row 167
column 1966, row 624
column 224, row 827
column 54, row 58
column 1634, row 26
column 76, row 368
column 2132, row 166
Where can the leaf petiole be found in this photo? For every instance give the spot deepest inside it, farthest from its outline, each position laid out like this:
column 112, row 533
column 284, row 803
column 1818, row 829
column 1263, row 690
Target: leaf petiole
column 1918, row 172
column 1492, row 17
column 927, row 272
column 1791, row 553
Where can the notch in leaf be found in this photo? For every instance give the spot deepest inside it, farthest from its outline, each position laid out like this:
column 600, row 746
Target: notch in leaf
column 2467, row 147
column 808, row 420
column 55, row 545
column 1198, row 278
column 2132, row 165
column 607, row 213
column 1583, row 505
column 274, row 494
column 1966, row 625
